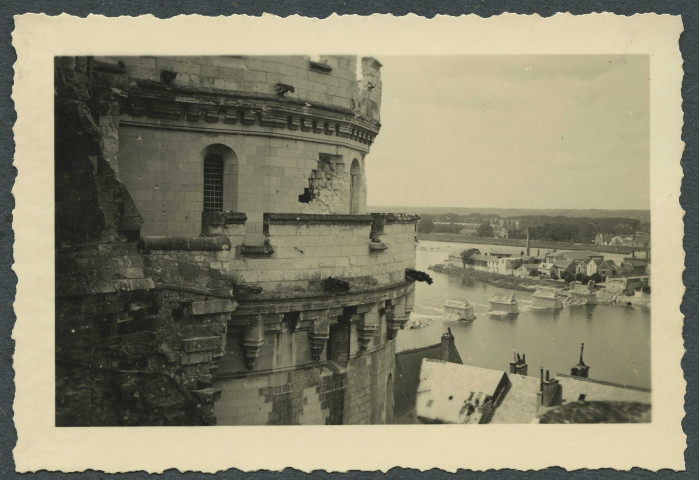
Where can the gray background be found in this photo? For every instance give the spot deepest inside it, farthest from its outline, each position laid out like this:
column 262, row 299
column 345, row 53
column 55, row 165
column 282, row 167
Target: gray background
column 321, row 9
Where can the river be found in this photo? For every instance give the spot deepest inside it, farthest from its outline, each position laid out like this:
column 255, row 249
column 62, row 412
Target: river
column 617, row 338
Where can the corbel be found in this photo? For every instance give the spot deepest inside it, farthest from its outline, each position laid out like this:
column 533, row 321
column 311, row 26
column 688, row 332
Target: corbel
column 319, row 332
column 248, row 116
column 293, row 123
column 367, row 325
column 273, row 322
column 305, row 124
column 396, row 317
column 253, row 339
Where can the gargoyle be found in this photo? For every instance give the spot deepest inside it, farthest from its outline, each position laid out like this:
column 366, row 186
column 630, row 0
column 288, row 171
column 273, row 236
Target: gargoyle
column 417, row 276
column 281, row 88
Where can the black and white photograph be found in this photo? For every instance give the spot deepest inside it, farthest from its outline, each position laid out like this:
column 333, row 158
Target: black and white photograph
column 419, row 240
column 222, row 259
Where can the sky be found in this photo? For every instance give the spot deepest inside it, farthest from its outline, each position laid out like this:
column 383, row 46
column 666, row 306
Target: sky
column 543, row 131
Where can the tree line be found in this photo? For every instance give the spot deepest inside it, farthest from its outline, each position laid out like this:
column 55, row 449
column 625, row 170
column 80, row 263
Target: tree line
column 541, row 227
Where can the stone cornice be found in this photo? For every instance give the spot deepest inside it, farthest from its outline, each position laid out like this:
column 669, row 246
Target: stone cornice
column 299, row 303
column 395, row 218
column 200, row 105
column 314, row 219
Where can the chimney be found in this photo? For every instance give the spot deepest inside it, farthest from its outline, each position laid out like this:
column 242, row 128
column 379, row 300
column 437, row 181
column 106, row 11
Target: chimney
column 519, row 365
column 447, row 345
column 551, row 392
column 580, row 370
column 541, row 379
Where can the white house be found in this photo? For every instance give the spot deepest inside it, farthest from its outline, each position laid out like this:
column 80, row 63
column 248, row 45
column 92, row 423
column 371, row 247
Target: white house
column 546, row 269
column 592, row 266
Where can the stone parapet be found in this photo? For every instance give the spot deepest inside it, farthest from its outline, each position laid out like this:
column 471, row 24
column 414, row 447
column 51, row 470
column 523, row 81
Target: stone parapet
column 211, row 243
column 300, row 252
column 314, row 219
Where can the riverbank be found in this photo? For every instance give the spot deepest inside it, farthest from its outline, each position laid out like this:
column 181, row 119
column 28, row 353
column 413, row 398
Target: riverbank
column 531, row 284
column 515, row 242
column 495, row 279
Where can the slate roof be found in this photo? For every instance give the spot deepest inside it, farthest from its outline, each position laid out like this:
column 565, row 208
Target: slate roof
column 407, row 378
column 578, row 254
column 445, row 389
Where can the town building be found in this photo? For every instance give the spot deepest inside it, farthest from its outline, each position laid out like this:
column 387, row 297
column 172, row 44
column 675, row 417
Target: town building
column 608, row 268
column 632, row 266
column 466, row 394
column 561, row 267
column 525, row 270
column 575, row 255
column 547, row 269
column 592, row 266
column 507, row 265
column 215, row 262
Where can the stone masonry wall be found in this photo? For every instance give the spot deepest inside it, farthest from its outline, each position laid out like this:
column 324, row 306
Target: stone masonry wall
column 311, row 396
column 306, row 252
column 338, row 86
column 163, row 170
column 127, row 353
column 307, row 396
column 367, row 377
column 138, row 358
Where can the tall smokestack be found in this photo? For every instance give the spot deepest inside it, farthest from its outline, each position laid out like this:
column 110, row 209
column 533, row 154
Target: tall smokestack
column 528, row 246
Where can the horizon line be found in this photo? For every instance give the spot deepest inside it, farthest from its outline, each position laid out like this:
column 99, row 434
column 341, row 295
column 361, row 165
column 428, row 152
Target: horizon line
column 519, row 208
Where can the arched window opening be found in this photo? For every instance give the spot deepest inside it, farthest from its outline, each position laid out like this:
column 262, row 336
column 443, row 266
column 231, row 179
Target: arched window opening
column 355, row 187
column 213, row 183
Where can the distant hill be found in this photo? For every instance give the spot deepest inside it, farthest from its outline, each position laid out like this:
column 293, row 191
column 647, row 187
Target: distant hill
column 642, row 215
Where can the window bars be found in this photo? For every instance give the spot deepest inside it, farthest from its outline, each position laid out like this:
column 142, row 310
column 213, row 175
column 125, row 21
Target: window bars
column 213, row 183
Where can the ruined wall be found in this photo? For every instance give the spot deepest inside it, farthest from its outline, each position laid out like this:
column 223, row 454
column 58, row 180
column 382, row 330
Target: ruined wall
column 137, row 358
column 91, row 205
column 127, row 353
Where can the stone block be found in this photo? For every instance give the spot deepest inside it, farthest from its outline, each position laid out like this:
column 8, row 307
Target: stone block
column 207, row 395
column 209, row 307
column 199, row 344
column 194, row 358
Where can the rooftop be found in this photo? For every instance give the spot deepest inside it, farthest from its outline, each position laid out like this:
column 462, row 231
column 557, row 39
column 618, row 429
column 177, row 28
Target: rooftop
column 447, row 388
column 578, row 254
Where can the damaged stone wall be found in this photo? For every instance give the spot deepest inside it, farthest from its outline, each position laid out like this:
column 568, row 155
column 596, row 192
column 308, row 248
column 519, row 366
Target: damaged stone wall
column 92, row 206
column 138, row 358
column 278, row 139
column 328, row 189
column 130, row 349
